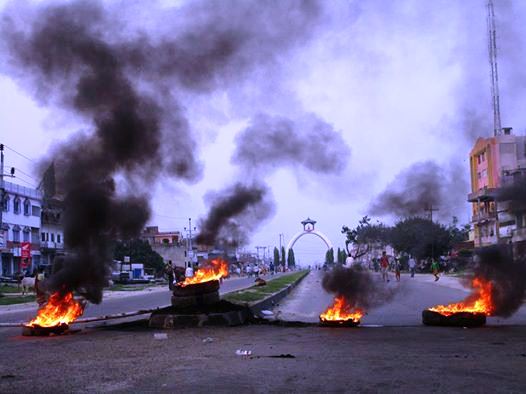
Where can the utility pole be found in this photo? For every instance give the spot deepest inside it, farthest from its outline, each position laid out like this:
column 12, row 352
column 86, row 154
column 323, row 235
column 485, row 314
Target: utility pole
column 258, row 248
column 492, row 52
column 431, row 210
column 281, row 235
column 189, row 251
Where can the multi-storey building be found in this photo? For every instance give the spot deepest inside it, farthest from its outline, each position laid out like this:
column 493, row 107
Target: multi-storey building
column 51, row 233
column 21, row 211
column 495, row 163
column 169, row 244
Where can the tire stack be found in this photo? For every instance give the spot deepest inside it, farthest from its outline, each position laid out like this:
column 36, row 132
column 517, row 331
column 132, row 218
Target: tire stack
column 196, row 295
column 459, row 319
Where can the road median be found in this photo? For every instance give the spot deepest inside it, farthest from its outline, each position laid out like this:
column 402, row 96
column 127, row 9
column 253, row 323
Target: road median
column 258, row 298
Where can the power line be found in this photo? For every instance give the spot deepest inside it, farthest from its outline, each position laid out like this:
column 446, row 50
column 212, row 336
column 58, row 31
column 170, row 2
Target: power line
column 20, row 154
column 22, row 172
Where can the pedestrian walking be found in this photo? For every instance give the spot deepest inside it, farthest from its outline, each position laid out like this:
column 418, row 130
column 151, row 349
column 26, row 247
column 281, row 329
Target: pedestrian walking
column 435, row 268
column 384, row 265
column 397, row 269
column 412, row 266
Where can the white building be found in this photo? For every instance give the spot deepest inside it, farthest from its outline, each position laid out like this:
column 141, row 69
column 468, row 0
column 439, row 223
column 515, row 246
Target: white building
column 51, row 232
column 21, row 218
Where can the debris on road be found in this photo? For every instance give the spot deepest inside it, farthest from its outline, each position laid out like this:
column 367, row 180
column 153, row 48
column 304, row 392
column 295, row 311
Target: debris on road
column 160, row 336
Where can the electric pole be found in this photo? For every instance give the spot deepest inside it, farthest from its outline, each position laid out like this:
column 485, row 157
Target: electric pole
column 189, row 251
column 431, row 210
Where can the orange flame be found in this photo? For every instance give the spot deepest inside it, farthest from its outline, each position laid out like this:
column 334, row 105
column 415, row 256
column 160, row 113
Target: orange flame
column 58, row 310
column 214, row 270
column 479, row 302
column 341, row 310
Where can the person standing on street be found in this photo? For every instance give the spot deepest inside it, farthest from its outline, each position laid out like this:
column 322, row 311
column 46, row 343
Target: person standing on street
column 189, row 272
column 397, row 268
column 435, row 268
column 412, row 266
column 384, row 265
column 169, row 272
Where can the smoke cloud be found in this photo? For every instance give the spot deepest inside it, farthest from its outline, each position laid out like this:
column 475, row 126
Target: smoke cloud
column 358, row 287
column 127, row 85
column 234, row 214
column 507, row 276
column 419, row 187
column 267, row 144
column 272, row 141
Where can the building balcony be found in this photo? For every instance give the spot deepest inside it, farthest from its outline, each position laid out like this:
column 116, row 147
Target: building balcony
column 484, row 216
column 51, row 245
column 519, row 235
column 483, row 195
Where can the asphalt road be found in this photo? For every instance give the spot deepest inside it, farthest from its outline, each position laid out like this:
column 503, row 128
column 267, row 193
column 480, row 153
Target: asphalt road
column 129, row 302
column 284, row 360
column 410, row 297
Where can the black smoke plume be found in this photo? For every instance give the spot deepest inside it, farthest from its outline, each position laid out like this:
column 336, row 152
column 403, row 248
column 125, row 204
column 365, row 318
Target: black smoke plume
column 274, row 141
column 358, row 287
column 127, row 86
column 420, row 187
column 507, row 276
column 234, row 214
column 269, row 143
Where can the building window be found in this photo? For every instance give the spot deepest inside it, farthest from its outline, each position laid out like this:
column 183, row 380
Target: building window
column 58, row 238
column 47, row 236
column 16, row 205
column 52, row 237
column 5, row 206
column 27, row 207
column 35, row 210
column 25, row 235
column 43, row 237
column 16, row 235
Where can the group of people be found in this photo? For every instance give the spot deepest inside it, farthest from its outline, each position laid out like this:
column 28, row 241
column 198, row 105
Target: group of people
column 396, row 266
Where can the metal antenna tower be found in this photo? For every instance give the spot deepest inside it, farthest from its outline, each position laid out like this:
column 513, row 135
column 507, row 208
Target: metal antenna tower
column 492, row 51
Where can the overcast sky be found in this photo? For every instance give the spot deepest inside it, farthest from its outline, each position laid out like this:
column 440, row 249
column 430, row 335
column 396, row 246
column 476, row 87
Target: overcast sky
column 403, row 81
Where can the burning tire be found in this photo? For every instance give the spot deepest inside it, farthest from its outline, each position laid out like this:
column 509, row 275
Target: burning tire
column 196, row 289
column 459, row 319
column 39, row 331
column 195, row 300
column 339, row 323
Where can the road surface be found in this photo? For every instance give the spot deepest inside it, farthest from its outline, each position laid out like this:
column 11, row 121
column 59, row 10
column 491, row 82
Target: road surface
column 411, row 296
column 128, row 303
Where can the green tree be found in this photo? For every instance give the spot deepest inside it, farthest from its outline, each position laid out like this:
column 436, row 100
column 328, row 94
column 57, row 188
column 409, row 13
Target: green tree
column 283, row 254
column 276, row 257
column 329, row 256
column 360, row 239
column 420, row 237
column 342, row 256
column 291, row 260
column 140, row 252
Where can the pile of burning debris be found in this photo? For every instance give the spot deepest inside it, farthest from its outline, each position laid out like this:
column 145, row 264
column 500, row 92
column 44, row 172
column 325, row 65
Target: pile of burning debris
column 196, row 302
column 341, row 314
column 471, row 312
column 55, row 316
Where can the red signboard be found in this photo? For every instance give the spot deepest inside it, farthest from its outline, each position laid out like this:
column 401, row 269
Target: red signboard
column 25, row 254
column 26, row 250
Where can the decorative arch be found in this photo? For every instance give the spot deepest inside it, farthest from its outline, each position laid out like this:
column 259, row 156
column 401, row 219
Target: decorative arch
column 319, row 234
column 308, row 228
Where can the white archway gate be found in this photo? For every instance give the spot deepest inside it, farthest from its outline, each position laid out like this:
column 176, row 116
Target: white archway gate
column 308, row 228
